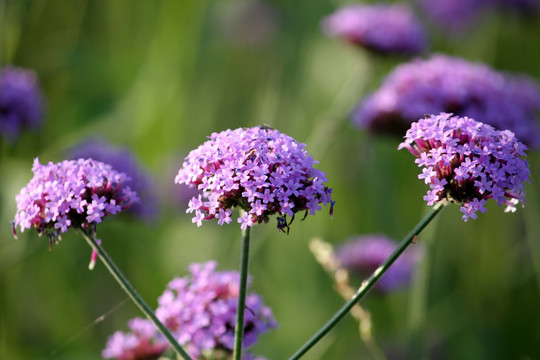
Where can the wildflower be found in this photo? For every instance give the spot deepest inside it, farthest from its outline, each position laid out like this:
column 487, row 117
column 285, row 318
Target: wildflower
column 124, row 161
column 385, row 29
column 144, row 342
column 468, row 162
column 72, row 193
column 259, row 170
column 362, row 255
column 453, row 15
column 200, row 312
column 459, row 15
column 20, row 101
column 450, row 84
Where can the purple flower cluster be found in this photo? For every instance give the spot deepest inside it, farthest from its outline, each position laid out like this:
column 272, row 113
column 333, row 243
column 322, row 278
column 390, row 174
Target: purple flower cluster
column 200, row 311
column 260, row 170
column 385, row 29
column 450, row 84
column 20, row 101
column 467, row 162
column 362, row 255
column 71, row 194
column 460, row 14
column 144, row 342
column 124, row 161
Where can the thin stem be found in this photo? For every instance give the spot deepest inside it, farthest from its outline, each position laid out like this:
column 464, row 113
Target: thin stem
column 130, row 290
column 239, row 329
column 367, row 284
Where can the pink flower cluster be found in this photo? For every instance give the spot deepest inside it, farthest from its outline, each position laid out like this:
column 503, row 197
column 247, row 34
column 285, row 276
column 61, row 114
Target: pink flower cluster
column 200, row 311
column 72, row 193
column 385, row 29
column 259, row 170
column 468, row 162
column 143, row 342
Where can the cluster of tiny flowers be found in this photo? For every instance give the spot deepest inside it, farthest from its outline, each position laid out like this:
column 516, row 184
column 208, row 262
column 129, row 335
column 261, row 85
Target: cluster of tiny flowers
column 72, row 193
column 124, row 161
column 144, row 342
column 454, row 85
column 257, row 169
column 362, row 255
column 200, row 312
column 458, row 15
column 385, row 29
column 20, row 101
column 468, row 162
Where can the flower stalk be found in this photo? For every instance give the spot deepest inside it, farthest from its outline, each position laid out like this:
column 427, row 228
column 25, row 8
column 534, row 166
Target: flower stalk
column 242, row 289
column 130, row 290
column 368, row 284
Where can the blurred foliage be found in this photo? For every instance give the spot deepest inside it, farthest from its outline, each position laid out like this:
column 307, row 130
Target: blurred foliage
column 159, row 76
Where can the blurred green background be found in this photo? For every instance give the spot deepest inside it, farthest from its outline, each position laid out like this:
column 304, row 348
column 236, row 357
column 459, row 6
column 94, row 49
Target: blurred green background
column 157, row 77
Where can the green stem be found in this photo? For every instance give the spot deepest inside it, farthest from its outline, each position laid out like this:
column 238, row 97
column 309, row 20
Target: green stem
column 367, row 284
column 130, row 290
column 239, row 329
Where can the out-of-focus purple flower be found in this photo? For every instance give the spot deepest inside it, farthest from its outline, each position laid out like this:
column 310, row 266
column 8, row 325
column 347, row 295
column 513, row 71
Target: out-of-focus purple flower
column 458, row 15
column 385, row 29
column 450, row 84
column 123, row 160
column 362, row 255
column 260, row 170
column 20, row 101
column 144, row 342
column 453, row 14
column 72, row 193
column 467, row 162
column 200, row 311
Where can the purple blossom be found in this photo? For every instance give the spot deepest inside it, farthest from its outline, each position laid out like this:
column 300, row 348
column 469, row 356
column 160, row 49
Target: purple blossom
column 385, row 29
column 200, row 312
column 20, row 101
column 259, row 170
column 453, row 14
column 144, row 342
column 458, row 15
column 474, row 163
column 362, row 255
column 450, row 84
column 123, row 161
column 72, row 193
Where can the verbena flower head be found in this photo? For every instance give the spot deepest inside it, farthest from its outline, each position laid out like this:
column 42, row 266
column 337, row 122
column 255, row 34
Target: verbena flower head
column 362, row 255
column 144, row 342
column 455, row 15
column 467, row 162
column 72, row 193
column 450, row 84
column 459, row 15
column 124, row 161
column 200, row 311
column 20, row 101
column 259, row 170
column 385, row 29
